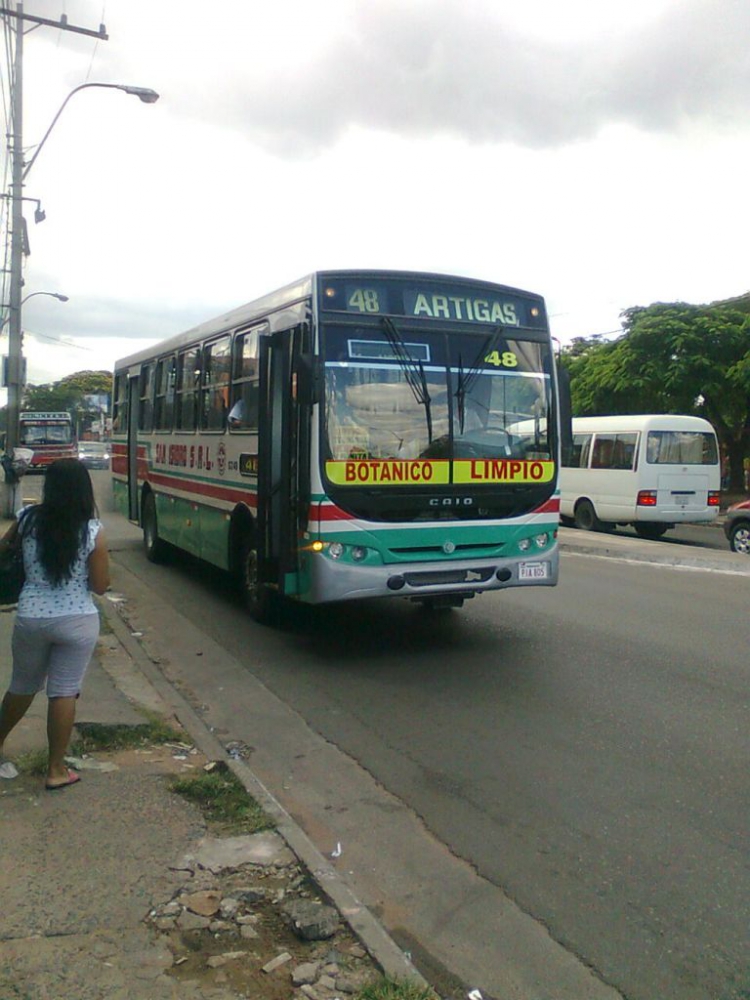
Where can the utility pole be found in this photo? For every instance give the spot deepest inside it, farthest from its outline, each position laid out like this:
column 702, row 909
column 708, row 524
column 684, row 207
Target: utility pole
column 14, row 367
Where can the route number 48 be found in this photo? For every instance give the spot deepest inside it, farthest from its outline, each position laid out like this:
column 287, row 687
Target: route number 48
column 504, row 359
column 364, row 300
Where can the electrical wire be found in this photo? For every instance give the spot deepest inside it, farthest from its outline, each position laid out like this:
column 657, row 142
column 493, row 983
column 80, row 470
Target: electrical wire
column 57, row 340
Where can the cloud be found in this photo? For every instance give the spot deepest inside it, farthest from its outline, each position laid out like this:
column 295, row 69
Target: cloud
column 421, row 69
column 294, row 78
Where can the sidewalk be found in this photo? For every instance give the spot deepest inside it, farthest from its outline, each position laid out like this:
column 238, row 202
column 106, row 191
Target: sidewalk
column 90, row 874
column 90, row 863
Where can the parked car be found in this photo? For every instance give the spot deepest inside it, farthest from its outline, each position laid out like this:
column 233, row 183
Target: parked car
column 94, row 454
column 737, row 527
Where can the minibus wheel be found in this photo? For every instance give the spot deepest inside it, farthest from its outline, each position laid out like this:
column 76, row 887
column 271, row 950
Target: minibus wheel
column 585, row 517
column 153, row 546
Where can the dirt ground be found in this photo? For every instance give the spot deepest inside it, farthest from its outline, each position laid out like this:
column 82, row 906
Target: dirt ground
column 204, row 934
column 221, row 956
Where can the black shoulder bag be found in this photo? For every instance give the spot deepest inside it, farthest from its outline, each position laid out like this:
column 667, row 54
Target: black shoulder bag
column 12, row 575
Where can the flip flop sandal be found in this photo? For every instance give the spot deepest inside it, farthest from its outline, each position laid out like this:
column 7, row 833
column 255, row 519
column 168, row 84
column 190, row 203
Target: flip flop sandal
column 72, row 779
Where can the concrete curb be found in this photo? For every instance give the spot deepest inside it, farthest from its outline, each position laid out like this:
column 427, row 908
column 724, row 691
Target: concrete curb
column 658, row 553
column 381, row 947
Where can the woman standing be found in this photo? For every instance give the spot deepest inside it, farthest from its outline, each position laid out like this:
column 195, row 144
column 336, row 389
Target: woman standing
column 57, row 623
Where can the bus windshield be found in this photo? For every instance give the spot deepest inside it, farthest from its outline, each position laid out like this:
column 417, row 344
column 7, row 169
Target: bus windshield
column 439, row 395
column 43, row 432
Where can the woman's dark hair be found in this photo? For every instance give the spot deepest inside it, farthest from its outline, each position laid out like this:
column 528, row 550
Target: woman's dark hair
column 60, row 522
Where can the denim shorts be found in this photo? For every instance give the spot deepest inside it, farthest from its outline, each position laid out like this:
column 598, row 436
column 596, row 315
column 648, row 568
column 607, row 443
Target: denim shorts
column 54, row 652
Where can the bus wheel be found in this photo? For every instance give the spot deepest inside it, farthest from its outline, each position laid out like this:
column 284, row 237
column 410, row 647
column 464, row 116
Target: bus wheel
column 259, row 600
column 648, row 529
column 153, row 546
column 585, row 517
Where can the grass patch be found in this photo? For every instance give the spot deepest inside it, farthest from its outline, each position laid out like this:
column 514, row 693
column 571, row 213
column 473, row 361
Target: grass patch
column 224, row 801
column 394, row 989
column 33, row 763
column 92, row 736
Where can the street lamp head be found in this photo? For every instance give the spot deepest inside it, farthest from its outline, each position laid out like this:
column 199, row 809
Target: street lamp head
column 61, row 297
column 145, row 94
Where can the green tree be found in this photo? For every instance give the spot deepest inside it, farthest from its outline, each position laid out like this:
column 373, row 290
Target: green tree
column 673, row 358
column 69, row 395
column 88, row 383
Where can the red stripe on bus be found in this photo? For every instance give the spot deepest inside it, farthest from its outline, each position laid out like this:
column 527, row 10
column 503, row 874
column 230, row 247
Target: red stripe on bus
column 329, row 512
column 215, row 490
column 552, row 506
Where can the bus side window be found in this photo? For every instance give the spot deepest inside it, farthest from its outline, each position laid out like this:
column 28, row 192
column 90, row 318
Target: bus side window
column 245, row 380
column 120, row 407
column 625, row 447
column 146, row 412
column 603, row 448
column 579, row 454
column 166, row 375
column 215, row 391
column 614, row 451
column 188, row 381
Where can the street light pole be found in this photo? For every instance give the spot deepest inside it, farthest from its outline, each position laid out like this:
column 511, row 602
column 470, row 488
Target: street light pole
column 55, row 295
column 144, row 94
column 14, row 366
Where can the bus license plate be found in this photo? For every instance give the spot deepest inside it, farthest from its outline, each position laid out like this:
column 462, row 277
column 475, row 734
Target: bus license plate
column 533, row 570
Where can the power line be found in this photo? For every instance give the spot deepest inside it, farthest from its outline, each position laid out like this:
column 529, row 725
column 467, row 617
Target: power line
column 57, row 340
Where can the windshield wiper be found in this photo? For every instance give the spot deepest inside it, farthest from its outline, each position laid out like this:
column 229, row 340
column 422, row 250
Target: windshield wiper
column 413, row 370
column 467, row 379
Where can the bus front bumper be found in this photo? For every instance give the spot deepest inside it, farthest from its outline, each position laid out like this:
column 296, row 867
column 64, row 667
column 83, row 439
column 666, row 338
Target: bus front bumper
column 336, row 581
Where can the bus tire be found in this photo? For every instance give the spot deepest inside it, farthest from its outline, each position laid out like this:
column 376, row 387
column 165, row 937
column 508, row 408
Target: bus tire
column 585, row 517
column 153, row 546
column 261, row 603
column 651, row 529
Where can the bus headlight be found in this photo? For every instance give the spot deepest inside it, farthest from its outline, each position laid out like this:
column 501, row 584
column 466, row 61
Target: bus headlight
column 541, row 541
column 335, row 550
column 359, row 553
column 524, row 544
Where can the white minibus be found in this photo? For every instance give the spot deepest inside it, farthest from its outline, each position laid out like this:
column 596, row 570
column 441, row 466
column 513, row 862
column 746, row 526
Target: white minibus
column 652, row 472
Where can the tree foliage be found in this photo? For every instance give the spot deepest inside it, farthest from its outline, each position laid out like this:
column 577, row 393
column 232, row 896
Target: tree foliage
column 68, row 394
column 672, row 358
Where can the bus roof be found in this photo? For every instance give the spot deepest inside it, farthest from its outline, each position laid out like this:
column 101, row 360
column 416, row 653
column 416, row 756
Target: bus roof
column 641, row 422
column 284, row 297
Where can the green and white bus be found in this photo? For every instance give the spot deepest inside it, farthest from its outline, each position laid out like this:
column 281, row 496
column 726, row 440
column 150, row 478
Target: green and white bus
column 350, row 436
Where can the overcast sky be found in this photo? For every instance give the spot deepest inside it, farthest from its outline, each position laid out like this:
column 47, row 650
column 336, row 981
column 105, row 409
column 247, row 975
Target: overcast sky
column 594, row 151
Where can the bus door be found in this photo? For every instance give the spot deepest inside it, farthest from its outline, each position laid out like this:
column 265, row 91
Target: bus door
column 283, row 455
column 132, row 438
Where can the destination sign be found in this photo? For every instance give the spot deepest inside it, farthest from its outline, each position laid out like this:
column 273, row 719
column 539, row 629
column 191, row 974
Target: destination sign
column 392, row 472
column 433, row 300
column 475, row 309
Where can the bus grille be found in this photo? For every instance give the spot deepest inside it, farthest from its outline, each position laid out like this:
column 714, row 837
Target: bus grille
column 430, row 579
column 439, row 550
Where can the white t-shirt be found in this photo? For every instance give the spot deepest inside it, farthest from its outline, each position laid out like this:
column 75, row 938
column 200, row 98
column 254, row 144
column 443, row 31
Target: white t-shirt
column 40, row 598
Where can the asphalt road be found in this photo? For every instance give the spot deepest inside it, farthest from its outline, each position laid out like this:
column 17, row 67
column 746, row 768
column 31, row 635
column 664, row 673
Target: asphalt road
column 584, row 749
